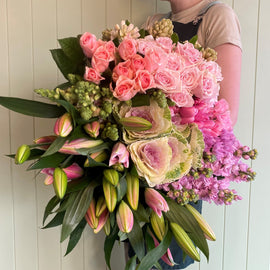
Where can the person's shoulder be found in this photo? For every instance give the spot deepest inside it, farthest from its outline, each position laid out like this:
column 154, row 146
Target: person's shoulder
column 221, row 10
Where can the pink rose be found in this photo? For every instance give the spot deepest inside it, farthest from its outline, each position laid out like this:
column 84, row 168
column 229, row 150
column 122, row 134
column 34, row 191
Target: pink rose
column 175, row 62
column 155, row 58
column 124, row 89
column 144, row 43
column 168, row 81
column 213, row 68
column 92, row 75
column 122, row 69
column 137, row 62
column 190, row 77
column 127, row 48
column 191, row 55
column 101, row 59
column 111, row 49
column 182, row 99
column 144, row 80
column 165, row 43
column 88, row 44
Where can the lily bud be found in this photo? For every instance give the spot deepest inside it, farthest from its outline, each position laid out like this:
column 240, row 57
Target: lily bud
column 132, row 191
column 158, row 225
column 120, row 155
column 112, row 176
column 22, row 154
column 90, row 215
column 98, row 157
column 155, row 201
column 202, row 223
column 73, row 171
column 184, row 241
column 63, row 125
column 101, row 206
column 45, row 139
column 135, row 123
column 107, row 227
column 124, row 218
column 71, row 147
column 59, row 182
column 110, row 195
column 102, row 220
column 92, row 129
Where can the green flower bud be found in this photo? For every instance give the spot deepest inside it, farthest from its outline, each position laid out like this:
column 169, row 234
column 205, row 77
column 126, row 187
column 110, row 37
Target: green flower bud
column 22, row 154
column 60, row 182
column 112, row 176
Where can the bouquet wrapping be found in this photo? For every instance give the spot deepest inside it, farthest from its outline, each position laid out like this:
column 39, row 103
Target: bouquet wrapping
column 139, row 134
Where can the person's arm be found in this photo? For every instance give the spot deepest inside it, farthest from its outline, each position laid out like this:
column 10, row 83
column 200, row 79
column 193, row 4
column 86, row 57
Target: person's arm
column 229, row 59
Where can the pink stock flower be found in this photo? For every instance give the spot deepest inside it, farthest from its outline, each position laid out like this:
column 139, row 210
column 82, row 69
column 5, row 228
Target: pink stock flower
column 101, row 58
column 92, row 75
column 63, row 125
column 144, row 80
column 155, row 201
column 127, row 48
column 88, row 44
column 124, row 89
column 119, row 154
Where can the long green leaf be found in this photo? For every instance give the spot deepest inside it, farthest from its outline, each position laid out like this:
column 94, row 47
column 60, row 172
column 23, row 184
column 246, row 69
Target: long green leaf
column 56, row 221
column 76, row 211
column 66, row 203
column 55, row 146
column 52, row 161
column 131, row 264
column 75, row 236
column 31, row 107
column 179, row 214
column 155, row 254
column 53, row 202
column 121, row 188
column 136, row 240
column 109, row 243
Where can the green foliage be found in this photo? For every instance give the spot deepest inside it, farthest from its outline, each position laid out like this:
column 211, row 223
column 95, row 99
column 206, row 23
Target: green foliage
column 175, row 38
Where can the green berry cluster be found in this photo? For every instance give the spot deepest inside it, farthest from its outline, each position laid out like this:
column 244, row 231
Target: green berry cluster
column 183, row 196
column 160, row 98
column 110, row 131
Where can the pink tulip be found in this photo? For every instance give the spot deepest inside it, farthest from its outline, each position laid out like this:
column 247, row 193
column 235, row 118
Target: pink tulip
column 124, row 218
column 120, row 155
column 155, row 201
column 92, row 129
column 71, row 147
column 63, row 125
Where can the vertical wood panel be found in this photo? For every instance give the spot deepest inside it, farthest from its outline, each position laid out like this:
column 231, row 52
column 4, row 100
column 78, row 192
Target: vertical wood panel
column 6, row 199
column 258, row 249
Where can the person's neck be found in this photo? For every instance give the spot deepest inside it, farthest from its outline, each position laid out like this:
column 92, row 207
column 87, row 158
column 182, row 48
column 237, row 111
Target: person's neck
column 178, row 6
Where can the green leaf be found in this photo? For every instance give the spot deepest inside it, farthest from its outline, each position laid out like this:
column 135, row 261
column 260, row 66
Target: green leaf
column 75, row 236
column 131, row 264
column 34, row 154
column 155, row 254
column 180, row 215
column 140, row 100
column 141, row 214
column 98, row 148
column 31, row 107
column 136, row 240
column 175, row 38
column 65, row 65
column 52, row 161
column 55, row 146
column 53, row 202
column 142, row 33
column 93, row 163
column 72, row 49
column 109, row 243
column 121, row 188
column 77, row 185
column 66, row 203
column 56, row 221
column 70, row 109
column 193, row 40
column 76, row 211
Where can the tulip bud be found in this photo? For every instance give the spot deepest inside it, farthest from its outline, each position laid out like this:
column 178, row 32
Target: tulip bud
column 202, row 223
column 110, row 195
column 158, row 225
column 63, row 125
column 101, row 206
column 184, row 241
column 135, row 123
column 102, row 220
column 119, row 155
column 112, row 176
column 107, row 227
column 92, row 129
column 60, row 182
column 132, row 190
column 90, row 215
column 22, row 154
column 124, row 218
column 73, row 171
column 155, row 201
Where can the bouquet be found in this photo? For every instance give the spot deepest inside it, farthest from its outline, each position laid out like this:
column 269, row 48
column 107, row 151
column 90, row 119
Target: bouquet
column 140, row 133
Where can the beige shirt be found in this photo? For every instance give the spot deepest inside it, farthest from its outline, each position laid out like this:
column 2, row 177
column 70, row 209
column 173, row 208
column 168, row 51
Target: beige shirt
column 220, row 24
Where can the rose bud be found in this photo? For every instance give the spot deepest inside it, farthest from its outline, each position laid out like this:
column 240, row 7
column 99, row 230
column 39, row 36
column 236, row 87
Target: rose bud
column 155, row 201
column 120, row 155
column 112, row 176
column 110, row 195
column 59, row 182
column 124, row 218
column 135, row 123
column 92, row 129
column 158, row 225
column 22, row 154
column 132, row 191
column 63, row 125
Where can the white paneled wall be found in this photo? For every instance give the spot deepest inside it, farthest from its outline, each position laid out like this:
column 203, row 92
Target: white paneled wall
column 28, row 29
